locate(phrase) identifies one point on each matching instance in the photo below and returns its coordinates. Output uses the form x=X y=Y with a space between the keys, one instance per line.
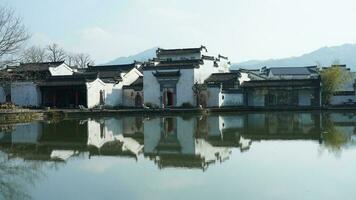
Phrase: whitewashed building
x=223 y=89
x=169 y=78
x=24 y=91
x=54 y=84
x=115 y=77
x=133 y=94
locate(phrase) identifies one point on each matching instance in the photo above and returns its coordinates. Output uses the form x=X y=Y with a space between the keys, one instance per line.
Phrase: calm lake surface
x=276 y=155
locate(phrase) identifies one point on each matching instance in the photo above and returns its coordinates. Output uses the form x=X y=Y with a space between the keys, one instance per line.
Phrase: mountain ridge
x=324 y=56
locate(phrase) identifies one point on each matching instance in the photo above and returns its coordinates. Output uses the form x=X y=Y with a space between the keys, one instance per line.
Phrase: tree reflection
x=334 y=139
x=15 y=176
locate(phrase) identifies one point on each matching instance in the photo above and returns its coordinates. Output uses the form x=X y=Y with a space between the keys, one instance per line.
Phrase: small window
x=222 y=97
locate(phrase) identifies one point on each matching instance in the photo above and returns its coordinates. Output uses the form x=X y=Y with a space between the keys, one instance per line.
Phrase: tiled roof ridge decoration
x=43 y=63
x=181 y=50
x=224 y=57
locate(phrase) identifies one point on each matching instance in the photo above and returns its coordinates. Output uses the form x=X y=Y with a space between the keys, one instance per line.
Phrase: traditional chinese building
x=169 y=78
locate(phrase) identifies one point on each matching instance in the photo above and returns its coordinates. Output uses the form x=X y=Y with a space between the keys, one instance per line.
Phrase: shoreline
x=172 y=110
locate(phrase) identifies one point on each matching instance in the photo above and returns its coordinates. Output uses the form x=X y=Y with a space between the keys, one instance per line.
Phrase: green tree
x=332 y=78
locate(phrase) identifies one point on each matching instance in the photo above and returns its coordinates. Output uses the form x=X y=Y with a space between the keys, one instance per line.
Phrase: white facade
x=129 y=97
x=114 y=93
x=183 y=90
x=25 y=94
x=230 y=99
x=93 y=92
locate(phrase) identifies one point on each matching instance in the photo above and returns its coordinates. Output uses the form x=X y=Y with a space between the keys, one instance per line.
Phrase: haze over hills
x=343 y=54
x=142 y=56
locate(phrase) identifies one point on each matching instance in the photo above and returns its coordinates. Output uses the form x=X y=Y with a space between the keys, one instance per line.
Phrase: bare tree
x=82 y=60
x=34 y=54
x=55 y=53
x=13 y=33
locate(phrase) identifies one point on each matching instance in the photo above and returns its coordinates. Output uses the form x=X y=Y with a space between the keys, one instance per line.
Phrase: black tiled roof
x=110 y=73
x=223 y=77
x=121 y=68
x=282 y=83
x=42 y=66
x=175 y=64
x=293 y=70
x=161 y=52
x=76 y=79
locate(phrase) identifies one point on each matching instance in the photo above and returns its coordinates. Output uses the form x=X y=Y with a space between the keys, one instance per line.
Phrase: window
x=222 y=97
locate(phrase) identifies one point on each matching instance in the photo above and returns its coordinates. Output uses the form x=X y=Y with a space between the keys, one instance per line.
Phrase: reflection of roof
x=281 y=136
x=178 y=160
x=112 y=148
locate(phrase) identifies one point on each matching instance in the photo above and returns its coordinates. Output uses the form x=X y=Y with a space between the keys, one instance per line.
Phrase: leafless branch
x=13 y=33
x=55 y=53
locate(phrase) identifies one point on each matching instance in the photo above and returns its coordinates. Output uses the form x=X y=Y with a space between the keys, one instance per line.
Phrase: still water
x=285 y=155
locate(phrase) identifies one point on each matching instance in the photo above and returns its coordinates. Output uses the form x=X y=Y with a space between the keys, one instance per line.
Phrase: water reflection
x=194 y=142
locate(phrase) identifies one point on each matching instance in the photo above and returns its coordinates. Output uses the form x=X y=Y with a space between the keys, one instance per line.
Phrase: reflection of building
x=172 y=142
x=185 y=141
x=282 y=126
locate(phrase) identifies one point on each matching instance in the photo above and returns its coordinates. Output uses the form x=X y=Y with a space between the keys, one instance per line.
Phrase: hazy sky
x=240 y=29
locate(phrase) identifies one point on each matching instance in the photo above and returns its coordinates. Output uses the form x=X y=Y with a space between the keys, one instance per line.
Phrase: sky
x=239 y=29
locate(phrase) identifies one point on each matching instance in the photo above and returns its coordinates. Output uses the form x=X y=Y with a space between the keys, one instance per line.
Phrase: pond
x=262 y=155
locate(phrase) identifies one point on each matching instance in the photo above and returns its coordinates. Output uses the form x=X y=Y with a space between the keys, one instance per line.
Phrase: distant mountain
x=142 y=56
x=343 y=54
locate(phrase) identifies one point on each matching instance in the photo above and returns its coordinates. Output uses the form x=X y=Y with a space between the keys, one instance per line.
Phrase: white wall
x=185 y=85
x=2 y=95
x=151 y=88
x=213 y=96
x=129 y=96
x=131 y=76
x=339 y=100
x=244 y=77
x=93 y=92
x=113 y=94
x=61 y=70
x=205 y=70
x=25 y=94
x=231 y=99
